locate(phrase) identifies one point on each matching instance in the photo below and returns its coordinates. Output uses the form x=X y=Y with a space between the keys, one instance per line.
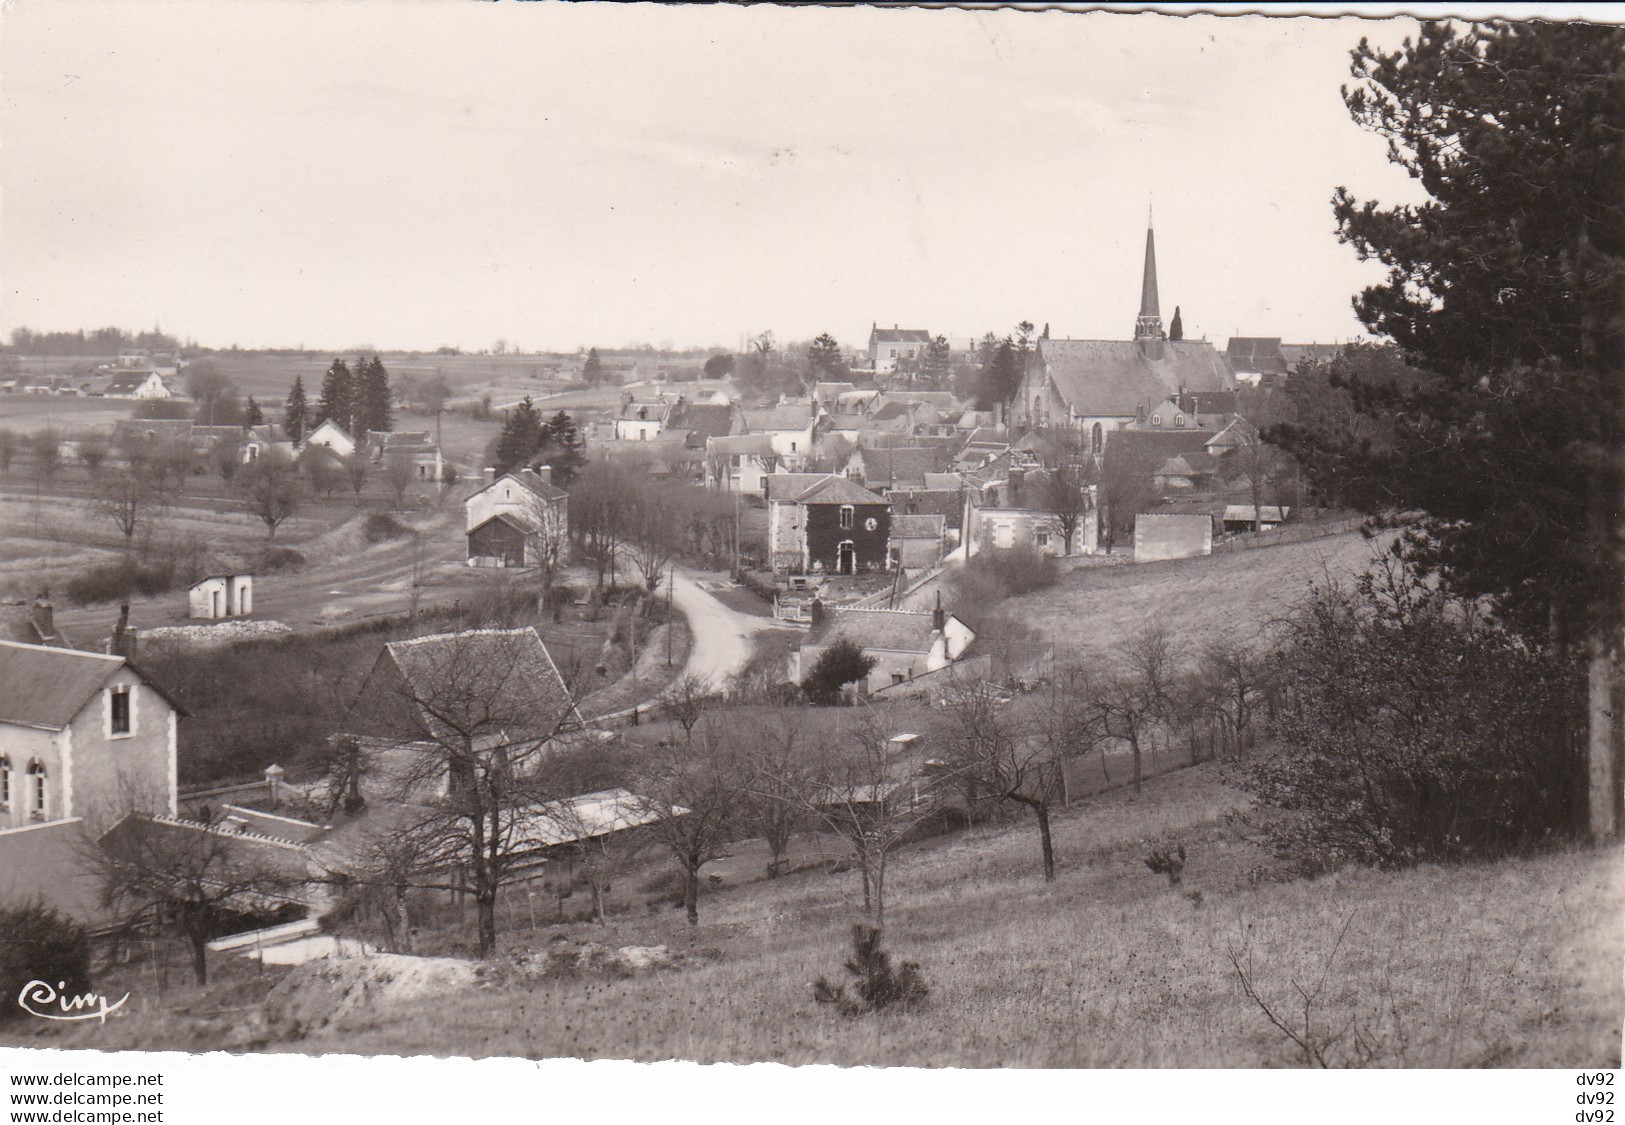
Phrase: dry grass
x=1509 y=964
x=1228 y=596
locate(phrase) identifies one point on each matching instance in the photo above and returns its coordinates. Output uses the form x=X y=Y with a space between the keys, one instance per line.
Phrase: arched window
x=1096 y=439
x=1179 y=421
x=36 y=789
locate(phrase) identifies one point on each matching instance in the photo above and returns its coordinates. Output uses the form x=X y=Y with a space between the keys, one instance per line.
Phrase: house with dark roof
x=884 y=469
x=642 y=419
x=702 y=421
x=789 y=426
x=827 y=525
x=918 y=540
x=889 y=347
x=32 y=623
x=136 y=384
x=84 y=739
x=904 y=643
x=1184 y=472
x=739 y=462
x=518 y=519
x=1256 y=359
x=1021 y=507
x=415 y=446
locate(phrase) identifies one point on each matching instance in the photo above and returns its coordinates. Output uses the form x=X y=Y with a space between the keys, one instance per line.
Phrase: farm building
x=904 y=643
x=221 y=595
x=332 y=436
x=1164 y=536
x=136 y=384
x=1244 y=517
x=518 y=519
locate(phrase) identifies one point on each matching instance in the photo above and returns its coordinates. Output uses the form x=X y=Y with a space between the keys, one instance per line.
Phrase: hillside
x=1231 y=596
x=1507 y=964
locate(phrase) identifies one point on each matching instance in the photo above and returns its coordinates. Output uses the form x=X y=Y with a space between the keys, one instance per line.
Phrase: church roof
x=1117 y=378
x=1256 y=353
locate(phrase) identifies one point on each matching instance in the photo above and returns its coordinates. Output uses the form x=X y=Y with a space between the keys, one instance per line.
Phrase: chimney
x=490 y=473
x=545 y=472
x=44 y=625
x=123 y=640
x=939 y=619
x=1017 y=476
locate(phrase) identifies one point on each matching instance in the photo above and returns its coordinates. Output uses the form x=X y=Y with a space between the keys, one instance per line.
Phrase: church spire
x=1148 y=325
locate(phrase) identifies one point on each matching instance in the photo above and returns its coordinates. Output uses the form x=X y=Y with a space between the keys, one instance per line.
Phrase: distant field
x=1230 y=596
x=68 y=413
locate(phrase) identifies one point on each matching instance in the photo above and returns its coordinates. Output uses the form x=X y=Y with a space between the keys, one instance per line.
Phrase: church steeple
x=1148 y=325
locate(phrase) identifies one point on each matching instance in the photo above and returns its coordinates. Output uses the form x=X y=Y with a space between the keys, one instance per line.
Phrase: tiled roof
x=838 y=490
x=788 y=486
x=657 y=410
x=826 y=392
x=1187 y=464
x=900 y=336
x=703 y=420
x=1116 y=378
x=785 y=417
x=530 y=481
x=1141 y=451
x=950 y=505
x=1271 y=513
x=161 y=429
x=941 y=400
x=1256 y=353
x=897 y=630
x=1238 y=432
x=757 y=444
x=1313 y=353
x=45 y=687
x=889 y=468
x=494 y=681
x=917 y=527
x=47 y=862
x=943 y=482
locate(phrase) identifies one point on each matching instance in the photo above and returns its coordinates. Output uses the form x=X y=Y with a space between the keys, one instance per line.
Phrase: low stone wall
x=1288 y=533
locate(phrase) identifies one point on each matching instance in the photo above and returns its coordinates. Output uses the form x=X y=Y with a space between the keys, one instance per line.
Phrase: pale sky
x=412 y=174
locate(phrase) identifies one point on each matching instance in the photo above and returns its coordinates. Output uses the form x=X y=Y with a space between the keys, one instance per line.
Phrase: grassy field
x=1230 y=597
x=1499 y=964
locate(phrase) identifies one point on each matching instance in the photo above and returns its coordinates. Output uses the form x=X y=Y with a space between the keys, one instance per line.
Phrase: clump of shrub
x=875 y=984
x=1413 y=728
x=840 y=664
x=40 y=944
x=382 y=527
x=116 y=581
x=274 y=560
x=995 y=575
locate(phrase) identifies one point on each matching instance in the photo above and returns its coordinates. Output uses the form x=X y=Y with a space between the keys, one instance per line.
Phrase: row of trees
x=528 y=439
x=357 y=399
x=108 y=341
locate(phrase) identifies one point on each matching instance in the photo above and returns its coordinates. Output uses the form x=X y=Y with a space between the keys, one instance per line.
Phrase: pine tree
x=562 y=448
x=824 y=357
x=521 y=437
x=593 y=370
x=296 y=412
x=338 y=395
x=938 y=362
x=372 y=408
x=252 y=414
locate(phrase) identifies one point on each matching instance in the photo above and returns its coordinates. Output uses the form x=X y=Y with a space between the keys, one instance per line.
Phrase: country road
x=722 y=636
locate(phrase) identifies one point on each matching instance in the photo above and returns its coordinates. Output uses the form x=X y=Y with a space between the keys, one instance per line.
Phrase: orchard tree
x=272 y=489
x=1508 y=283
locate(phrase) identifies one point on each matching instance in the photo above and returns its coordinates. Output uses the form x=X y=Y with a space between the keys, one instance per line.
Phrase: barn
x=222 y=595
x=502 y=537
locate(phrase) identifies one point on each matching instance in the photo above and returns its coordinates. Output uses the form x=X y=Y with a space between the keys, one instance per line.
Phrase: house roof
x=1238 y=432
x=941 y=400
x=646 y=410
x=328 y=424
x=703 y=420
x=1187 y=464
x=740 y=443
x=1313 y=353
x=1206 y=402
x=18 y=623
x=218 y=577
x=900 y=336
x=585 y=817
x=45 y=687
x=1141 y=451
x=917 y=526
x=161 y=429
x=895 y=630
x=47 y=862
x=949 y=504
x=504 y=679
x=892 y=467
x=1117 y=378
x=1256 y=353
x=838 y=490
x=944 y=482
x=785 y=416
x=824 y=392
x=530 y=481
x=128 y=382
x=788 y=486
x=507 y=519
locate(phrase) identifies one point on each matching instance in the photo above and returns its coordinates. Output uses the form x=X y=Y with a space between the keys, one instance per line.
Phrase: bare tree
x=197 y=874
x=547 y=541
x=93 y=450
x=400 y=470
x=693 y=796
x=686 y=700
x=1135 y=693
x=272 y=489
x=1006 y=760
x=228 y=458
x=45 y=447
x=130 y=499
x=1066 y=496
x=356 y=469
x=780 y=756
x=321 y=468
x=653 y=532
x=476 y=716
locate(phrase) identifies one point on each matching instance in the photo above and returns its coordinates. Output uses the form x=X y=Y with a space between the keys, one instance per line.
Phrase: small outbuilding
x=222 y=595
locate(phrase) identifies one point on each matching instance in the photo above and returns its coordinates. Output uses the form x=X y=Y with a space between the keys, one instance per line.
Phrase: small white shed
x=222 y=595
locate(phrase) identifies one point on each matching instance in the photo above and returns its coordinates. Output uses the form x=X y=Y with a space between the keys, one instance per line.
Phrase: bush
x=116 y=581
x=1416 y=729
x=40 y=945
x=995 y=575
x=382 y=527
x=841 y=663
x=274 y=560
x=877 y=984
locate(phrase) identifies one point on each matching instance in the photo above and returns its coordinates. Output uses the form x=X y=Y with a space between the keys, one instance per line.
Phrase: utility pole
x=671 y=623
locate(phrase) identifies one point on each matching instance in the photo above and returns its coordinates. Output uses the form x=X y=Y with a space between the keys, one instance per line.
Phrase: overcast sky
x=407 y=175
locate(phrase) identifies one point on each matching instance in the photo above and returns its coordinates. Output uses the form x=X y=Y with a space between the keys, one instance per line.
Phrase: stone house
x=904 y=643
x=518 y=519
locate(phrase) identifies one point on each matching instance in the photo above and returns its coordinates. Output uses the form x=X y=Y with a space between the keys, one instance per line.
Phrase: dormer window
x=846 y=517
x=1179 y=421
x=1156 y=419
x=119 y=715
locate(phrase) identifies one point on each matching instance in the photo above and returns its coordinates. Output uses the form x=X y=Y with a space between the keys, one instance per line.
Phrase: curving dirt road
x=722 y=636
